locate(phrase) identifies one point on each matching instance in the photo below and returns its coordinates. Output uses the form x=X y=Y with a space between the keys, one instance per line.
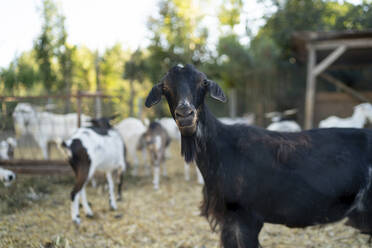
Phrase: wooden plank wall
x=335 y=103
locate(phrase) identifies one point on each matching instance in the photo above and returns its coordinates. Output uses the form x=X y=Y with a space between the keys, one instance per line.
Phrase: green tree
x=134 y=70
x=8 y=78
x=233 y=58
x=83 y=73
x=64 y=53
x=45 y=44
x=178 y=36
x=230 y=12
x=22 y=73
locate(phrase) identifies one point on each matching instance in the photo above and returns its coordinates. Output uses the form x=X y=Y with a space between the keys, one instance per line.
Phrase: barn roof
x=358 y=43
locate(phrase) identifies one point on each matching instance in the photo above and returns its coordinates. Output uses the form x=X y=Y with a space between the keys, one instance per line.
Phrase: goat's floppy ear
x=215 y=91
x=155 y=95
x=94 y=122
x=112 y=117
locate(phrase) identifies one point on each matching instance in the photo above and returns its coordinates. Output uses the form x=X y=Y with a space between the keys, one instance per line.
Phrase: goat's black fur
x=253 y=175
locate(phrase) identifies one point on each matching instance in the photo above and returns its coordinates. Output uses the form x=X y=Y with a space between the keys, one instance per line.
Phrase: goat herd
x=251 y=175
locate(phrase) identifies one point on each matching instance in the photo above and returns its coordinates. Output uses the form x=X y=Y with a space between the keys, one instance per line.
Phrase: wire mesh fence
x=39 y=124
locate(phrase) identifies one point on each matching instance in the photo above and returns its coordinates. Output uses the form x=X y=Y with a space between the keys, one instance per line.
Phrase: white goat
x=361 y=113
x=248 y=120
x=131 y=129
x=280 y=125
x=44 y=126
x=7 y=176
x=101 y=148
x=7 y=148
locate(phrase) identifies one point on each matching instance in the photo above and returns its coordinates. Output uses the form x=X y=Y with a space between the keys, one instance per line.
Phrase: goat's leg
x=44 y=148
x=240 y=233
x=88 y=211
x=146 y=164
x=120 y=185
x=111 y=190
x=81 y=172
x=199 y=176
x=135 y=163
x=164 y=169
x=75 y=209
x=93 y=182
x=156 y=176
x=187 y=171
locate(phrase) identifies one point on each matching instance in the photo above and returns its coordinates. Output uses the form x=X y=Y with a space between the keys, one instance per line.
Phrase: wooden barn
x=339 y=72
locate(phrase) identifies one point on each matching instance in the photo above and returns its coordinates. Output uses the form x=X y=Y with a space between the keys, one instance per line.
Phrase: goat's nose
x=184 y=112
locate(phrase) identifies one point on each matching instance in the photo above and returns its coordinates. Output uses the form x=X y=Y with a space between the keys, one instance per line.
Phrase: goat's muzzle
x=185 y=116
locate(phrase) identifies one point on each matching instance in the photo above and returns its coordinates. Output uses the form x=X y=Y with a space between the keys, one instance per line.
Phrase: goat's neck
x=358 y=117
x=194 y=147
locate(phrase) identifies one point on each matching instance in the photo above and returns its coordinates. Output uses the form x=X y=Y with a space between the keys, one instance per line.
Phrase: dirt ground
x=35 y=212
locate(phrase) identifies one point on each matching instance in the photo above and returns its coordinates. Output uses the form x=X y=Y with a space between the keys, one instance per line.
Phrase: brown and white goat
x=155 y=140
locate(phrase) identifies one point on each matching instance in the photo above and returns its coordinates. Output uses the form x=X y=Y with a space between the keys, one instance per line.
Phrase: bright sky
x=95 y=23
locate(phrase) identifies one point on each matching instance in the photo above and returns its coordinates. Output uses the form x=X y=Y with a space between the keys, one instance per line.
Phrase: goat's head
x=365 y=109
x=103 y=122
x=4 y=148
x=185 y=89
x=24 y=114
x=7 y=176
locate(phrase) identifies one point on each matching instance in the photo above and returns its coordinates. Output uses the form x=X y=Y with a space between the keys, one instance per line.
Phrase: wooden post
x=232 y=102
x=78 y=108
x=310 y=88
x=140 y=108
x=98 y=109
x=329 y=60
x=3 y=115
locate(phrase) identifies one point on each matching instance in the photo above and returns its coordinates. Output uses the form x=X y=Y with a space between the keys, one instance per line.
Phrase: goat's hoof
x=120 y=199
x=118 y=216
x=90 y=216
x=77 y=221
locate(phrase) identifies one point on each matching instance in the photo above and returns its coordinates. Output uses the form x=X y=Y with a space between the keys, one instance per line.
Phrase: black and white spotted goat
x=7 y=177
x=155 y=140
x=253 y=176
x=99 y=147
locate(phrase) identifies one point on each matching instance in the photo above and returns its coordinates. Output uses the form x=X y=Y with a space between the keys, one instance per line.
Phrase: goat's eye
x=205 y=82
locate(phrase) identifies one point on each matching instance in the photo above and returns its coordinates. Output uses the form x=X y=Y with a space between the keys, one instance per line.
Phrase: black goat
x=253 y=175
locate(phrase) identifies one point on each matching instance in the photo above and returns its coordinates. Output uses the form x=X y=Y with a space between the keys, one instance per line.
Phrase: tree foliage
x=177 y=36
x=264 y=71
x=45 y=44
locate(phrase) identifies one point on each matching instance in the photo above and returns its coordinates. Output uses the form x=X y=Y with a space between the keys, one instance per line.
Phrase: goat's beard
x=188 y=130
x=188 y=148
